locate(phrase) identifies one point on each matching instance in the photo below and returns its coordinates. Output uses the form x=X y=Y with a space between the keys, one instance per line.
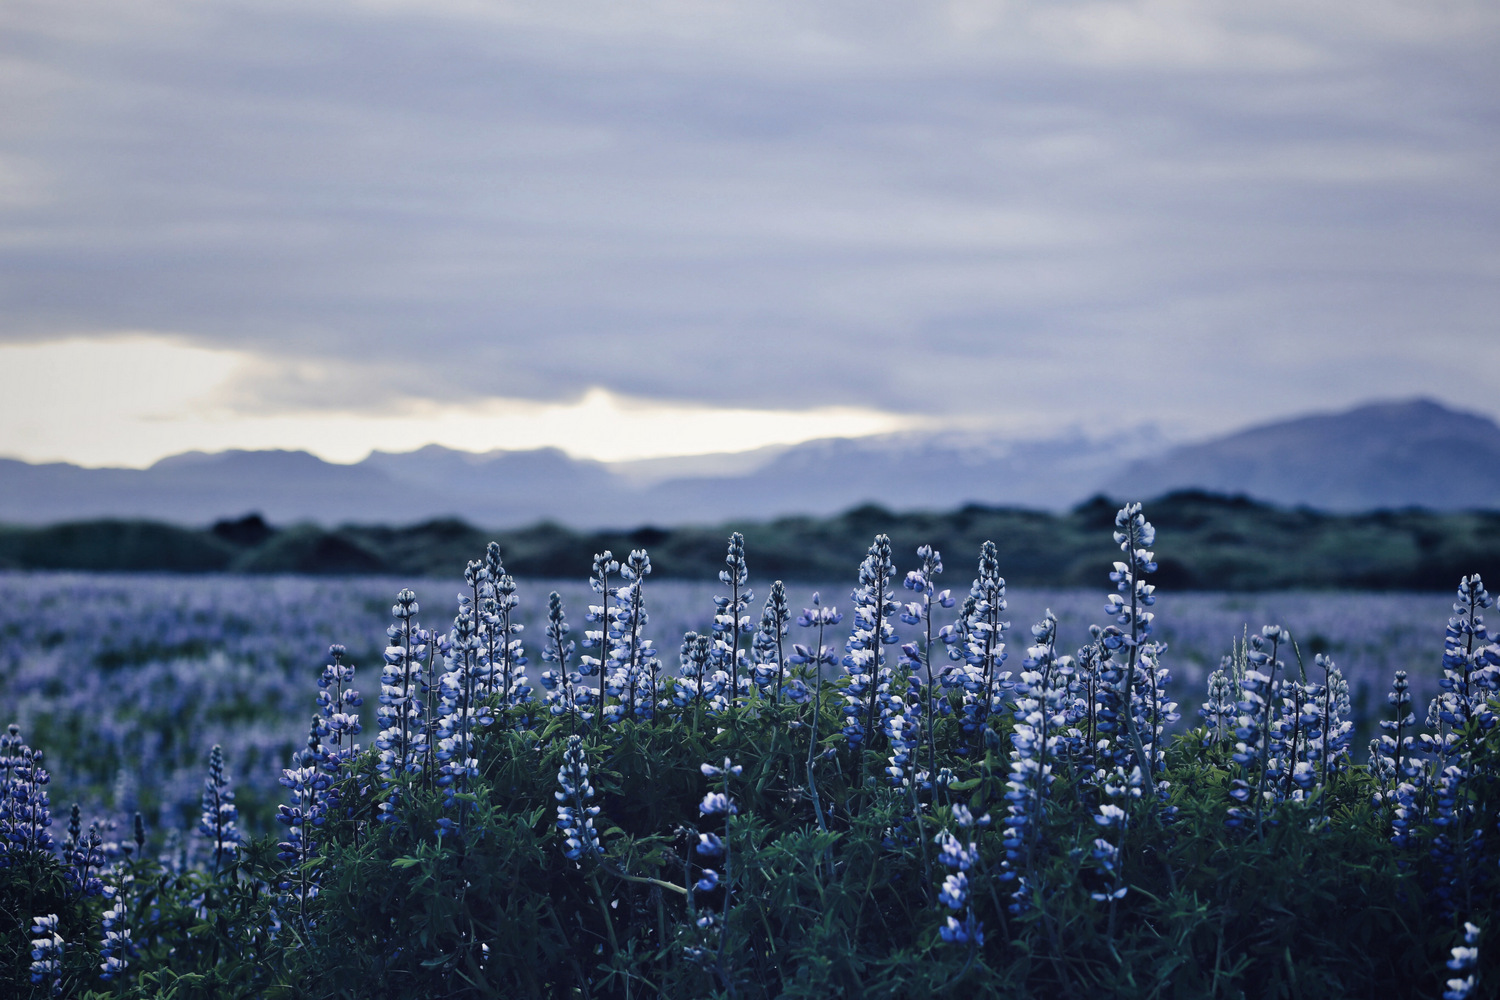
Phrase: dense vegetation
x=1219 y=543
x=916 y=814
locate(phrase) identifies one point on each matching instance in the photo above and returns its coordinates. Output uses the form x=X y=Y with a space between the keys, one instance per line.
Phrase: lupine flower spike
x=218 y=823
x=46 y=954
x=575 y=817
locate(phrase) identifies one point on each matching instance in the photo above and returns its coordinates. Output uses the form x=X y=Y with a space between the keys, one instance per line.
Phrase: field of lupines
x=893 y=794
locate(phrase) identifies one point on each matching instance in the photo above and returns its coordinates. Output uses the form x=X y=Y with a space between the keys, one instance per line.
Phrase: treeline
x=1218 y=543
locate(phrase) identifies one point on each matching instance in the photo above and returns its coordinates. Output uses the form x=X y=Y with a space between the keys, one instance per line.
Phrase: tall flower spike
x=218 y=821
x=115 y=948
x=575 y=817
x=1465 y=959
x=338 y=704
x=959 y=858
x=978 y=642
x=730 y=618
x=1134 y=535
x=631 y=672
x=46 y=954
x=1397 y=748
x=1471 y=665
x=506 y=656
x=867 y=669
x=923 y=583
x=770 y=643
x=563 y=683
x=401 y=737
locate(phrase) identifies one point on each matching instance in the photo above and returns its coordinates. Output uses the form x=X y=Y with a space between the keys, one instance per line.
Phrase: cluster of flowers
x=1425 y=777
x=1100 y=716
x=91 y=865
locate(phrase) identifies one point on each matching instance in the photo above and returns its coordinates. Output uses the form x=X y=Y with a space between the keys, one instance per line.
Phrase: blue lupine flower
x=709 y=882
x=1471 y=665
x=400 y=717
x=46 y=953
x=85 y=858
x=977 y=642
x=1392 y=757
x=605 y=566
x=918 y=660
x=954 y=854
x=769 y=647
x=1219 y=710
x=955 y=891
x=960 y=858
x=1465 y=959
x=25 y=809
x=970 y=931
x=115 y=949
x=812 y=660
x=1127 y=637
x=1328 y=736
x=730 y=620
x=1040 y=711
x=575 y=818
x=217 y=824
x=714 y=804
x=505 y=654
x=710 y=845
x=339 y=704
x=1261 y=748
x=866 y=669
x=564 y=684
x=697 y=684
x=630 y=673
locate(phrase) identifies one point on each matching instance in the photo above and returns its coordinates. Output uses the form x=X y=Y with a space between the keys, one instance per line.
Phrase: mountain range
x=1415 y=453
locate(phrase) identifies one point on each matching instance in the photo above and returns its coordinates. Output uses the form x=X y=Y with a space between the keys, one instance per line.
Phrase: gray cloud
x=1199 y=214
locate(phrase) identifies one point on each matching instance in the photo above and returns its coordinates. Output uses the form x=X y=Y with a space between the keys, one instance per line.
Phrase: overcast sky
x=646 y=227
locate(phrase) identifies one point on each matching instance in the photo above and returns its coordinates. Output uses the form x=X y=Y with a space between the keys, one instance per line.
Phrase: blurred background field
x=126 y=680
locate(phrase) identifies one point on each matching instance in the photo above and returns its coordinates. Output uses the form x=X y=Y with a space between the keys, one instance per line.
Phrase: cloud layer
x=1064 y=212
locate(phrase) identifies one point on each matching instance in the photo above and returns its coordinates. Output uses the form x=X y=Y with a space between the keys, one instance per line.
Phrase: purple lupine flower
x=575 y=818
x=564 y=684
x=217 y=823
x=1219 y=709
x=696 y=685
x=769 y=646
x=631 y=671
x=866 y=669
x=25 y=808
x=955 y=891
x=508 y=657
x=1465 y=959
x=730 y=620
x=605 y=566
x=1129 y=634
x=977 y=641
x=715 y=804
x=46 y=954
x=339 y=704
x=710 y=845
x=918 y=660
x=85 y=858
x=970 y=931
x=115 y=948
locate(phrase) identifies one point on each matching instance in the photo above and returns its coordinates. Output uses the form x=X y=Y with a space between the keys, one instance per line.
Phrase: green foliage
x=1323 y=906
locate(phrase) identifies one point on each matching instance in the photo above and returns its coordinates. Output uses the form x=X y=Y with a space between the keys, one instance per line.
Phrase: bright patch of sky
x=129 y=401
